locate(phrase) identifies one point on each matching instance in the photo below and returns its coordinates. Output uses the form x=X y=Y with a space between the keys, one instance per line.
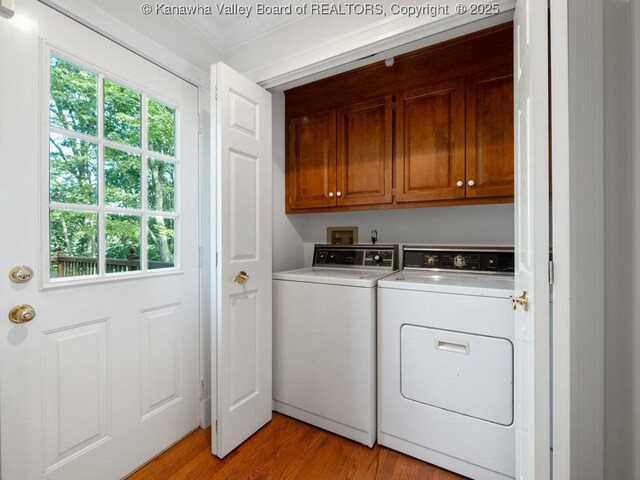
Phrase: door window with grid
x=113 y=173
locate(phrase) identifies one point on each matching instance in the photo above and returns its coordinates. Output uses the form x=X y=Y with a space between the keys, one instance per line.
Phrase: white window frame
x=46 y=282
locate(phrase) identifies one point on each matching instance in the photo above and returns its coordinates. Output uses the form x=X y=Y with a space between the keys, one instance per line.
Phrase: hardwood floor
x=287 y=449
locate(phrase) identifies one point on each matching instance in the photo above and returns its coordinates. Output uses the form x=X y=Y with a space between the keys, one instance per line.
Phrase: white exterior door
x=532 y=241
x=99 y=196
x=242 y=335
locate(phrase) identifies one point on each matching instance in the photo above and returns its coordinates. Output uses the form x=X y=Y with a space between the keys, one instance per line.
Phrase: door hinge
x=393 y=106
x=200 y=257
x=216 y=258
x=216 y=426
x=393 y=192
x=201 y=392
x=215 y=92
x=551 y=272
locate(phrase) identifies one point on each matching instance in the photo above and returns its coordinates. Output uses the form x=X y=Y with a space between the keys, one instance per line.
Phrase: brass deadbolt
x=20 y=274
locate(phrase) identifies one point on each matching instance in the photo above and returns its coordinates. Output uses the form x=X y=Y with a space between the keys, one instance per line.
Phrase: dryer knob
x=459 y=261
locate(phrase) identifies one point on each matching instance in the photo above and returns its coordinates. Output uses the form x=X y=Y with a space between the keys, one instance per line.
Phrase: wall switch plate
x=7 y=8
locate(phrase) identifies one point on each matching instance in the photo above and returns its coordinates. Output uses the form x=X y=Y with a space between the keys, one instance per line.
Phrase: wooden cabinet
x=430 y=143
x=341 y=157
x=435 y=129
x=490 y=135
x=365 y=153
x=311 y=167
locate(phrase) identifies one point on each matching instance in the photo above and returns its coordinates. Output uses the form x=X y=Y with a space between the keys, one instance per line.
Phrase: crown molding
x=212 y=34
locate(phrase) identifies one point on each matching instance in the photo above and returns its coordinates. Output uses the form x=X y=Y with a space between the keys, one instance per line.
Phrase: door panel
x=531 y=382
x=79 y=395
x=365 y=153
x=242 y=359
x=490 y=134
x=77 y=389
x=311 y=176
x=160 y=358
x=242 y=337
x=243 y=191
x=430 y=143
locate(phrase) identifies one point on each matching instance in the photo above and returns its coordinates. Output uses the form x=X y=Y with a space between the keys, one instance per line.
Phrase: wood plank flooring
x=287 y=449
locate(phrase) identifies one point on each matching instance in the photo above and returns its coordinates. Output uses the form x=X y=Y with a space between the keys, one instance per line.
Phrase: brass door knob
x=522 y=300
x=241 y=277
x=22 y=314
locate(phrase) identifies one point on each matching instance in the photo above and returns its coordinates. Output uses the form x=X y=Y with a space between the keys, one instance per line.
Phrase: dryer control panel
x=478 y=259
x=359 y=256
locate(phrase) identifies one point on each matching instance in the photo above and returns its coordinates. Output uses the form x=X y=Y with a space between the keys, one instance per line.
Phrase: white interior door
x=99 y=196
x=242 y=337
x=532 y=240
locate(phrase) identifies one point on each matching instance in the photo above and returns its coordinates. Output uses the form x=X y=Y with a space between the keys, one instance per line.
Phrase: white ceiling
x=271 y=49
x=201 y=39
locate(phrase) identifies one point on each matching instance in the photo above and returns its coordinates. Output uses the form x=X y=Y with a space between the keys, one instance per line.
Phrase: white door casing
x=532 y=348
x=106 y=375
x=242 y=335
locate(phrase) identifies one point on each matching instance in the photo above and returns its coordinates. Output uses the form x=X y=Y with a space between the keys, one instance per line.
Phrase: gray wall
x=288 y=246
x=618 y=231
x=635 y=254
x=483 y=224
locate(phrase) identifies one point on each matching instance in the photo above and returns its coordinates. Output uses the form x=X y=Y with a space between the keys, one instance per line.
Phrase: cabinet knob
x=338 y=194
x=330 y=194
x=459 y=183
x=471 y=183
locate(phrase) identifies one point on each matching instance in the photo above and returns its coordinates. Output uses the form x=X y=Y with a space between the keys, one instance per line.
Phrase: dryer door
x=462 y=373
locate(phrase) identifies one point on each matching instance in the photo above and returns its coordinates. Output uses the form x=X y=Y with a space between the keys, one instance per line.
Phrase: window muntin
x=112 y=172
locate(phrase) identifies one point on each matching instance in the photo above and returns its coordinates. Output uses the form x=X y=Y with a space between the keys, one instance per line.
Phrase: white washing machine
x=324 y=339
x=445 y=359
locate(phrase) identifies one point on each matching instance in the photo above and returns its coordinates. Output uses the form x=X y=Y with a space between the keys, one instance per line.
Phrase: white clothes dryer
x=445 y=359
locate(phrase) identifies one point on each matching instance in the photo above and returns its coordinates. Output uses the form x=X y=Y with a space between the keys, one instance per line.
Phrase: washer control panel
x=375 y=256
x=470 y=259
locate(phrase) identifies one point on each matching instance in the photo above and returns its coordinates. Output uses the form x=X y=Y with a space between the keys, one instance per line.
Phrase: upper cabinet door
x=430 y=143
x=365 y=136
x=490 y=134
x=311 y=172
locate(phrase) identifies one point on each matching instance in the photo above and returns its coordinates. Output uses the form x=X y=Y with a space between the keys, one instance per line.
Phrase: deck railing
x=64 y=266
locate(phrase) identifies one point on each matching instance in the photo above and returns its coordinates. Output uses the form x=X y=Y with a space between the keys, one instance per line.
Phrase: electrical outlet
x=7 y=8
